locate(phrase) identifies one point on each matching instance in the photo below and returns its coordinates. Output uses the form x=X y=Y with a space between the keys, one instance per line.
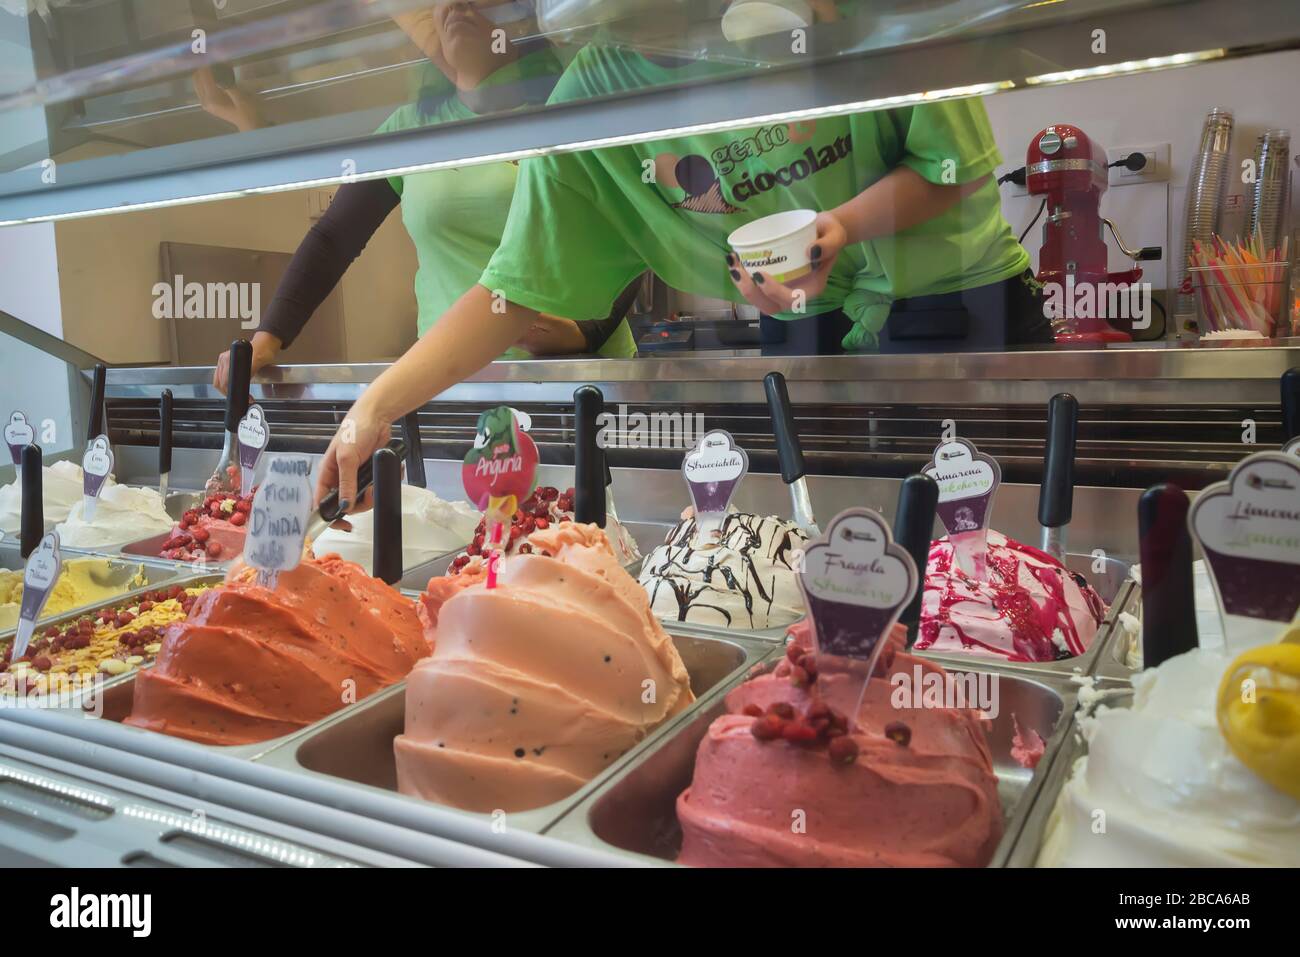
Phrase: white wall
x=1147 y=109
x=29 y=289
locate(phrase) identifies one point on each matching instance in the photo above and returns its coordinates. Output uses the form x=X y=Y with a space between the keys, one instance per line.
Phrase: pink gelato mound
x=929 y=802
x=1031 y=608
x=539 y=684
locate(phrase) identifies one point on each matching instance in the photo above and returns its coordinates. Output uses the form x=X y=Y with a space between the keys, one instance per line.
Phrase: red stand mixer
x=1069 y=170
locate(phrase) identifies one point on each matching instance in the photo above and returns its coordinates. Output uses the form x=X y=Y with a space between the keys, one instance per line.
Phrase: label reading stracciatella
x=713 y=471
x=278 y=520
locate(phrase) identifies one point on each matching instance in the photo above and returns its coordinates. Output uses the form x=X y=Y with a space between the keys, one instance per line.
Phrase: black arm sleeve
x=598 y=331
x=325 y=253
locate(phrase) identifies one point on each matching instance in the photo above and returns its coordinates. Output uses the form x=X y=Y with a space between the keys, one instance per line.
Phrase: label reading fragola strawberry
x=503 y=460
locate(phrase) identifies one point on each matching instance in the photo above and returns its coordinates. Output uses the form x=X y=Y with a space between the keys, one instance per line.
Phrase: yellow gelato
x=84 y=581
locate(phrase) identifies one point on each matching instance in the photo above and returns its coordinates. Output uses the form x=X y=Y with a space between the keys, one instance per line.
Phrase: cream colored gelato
x=431 y=526
x=61 y=490
x=1160 y=787
x=124 y=514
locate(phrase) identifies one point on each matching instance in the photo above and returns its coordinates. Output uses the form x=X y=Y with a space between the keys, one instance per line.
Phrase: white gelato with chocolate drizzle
x=740 y=577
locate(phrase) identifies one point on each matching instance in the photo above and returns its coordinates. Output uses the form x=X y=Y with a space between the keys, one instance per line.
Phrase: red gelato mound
x=914 y=788
x=251 y=664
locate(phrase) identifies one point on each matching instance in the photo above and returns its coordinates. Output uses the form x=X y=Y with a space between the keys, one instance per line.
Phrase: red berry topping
x=843 y=750
x=41 y=662
x=797 y=732
x=782 y=709
x=214 y=550
x=238 y=518
x=767 y=728
x=201 y=534
x=753 y=710
x=146 y=606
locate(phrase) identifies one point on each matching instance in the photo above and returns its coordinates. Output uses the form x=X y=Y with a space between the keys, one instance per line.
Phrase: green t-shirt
x=584 y=224
x=455 y=217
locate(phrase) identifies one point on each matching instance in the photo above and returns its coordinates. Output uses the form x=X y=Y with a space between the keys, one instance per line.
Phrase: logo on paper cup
x=1249 y=529
x=857 y=583
x=18 y=435
x=713 y=470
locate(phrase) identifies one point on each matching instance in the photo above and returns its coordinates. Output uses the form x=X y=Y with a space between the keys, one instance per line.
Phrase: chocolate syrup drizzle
x=742 y=537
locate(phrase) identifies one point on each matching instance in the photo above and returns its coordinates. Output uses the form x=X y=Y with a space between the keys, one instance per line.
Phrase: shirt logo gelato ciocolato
x=701 y=178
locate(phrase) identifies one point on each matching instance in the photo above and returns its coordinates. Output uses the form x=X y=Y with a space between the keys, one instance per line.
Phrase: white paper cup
x=746 y=19
x=777 y=245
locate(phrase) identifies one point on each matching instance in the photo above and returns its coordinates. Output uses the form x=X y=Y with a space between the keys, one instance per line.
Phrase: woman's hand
x=773 y=297
x=363 y=432
x=266 y=349
x=241 y=110
x=553 y=336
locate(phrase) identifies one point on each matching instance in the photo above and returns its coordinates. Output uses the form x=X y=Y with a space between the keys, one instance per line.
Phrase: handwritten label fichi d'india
x=278 y=521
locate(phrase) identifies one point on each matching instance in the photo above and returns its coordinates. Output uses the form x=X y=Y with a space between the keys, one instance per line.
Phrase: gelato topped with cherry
x=213 y=532
x=544 y=507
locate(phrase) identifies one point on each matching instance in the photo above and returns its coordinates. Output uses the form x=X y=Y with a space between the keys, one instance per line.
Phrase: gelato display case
x=180 y=707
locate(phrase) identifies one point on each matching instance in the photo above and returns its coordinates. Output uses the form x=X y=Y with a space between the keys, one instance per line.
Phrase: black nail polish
x=731 y=260
x=735 y=275
x=816 y=252
x=758 y=278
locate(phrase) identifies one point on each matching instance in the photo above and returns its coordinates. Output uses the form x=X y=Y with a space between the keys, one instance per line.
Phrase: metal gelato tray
x=1111 y=660
x=1113 y=585
x=89 y=699
x=1073 y=747
x=355 y=747
x=117 y=571
x=633 y=813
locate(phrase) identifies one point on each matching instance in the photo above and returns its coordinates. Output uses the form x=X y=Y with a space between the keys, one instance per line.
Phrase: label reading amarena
x=857 y=583
x=967 y=479
x=278 y=521
x=1249 y=529
x=18 y=435
x=96 y=466
x=252 y=438
x=43 y=567
x=713 y=471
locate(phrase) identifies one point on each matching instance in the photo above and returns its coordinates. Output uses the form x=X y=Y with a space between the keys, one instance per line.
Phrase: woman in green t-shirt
x=454 y=217
x=910 y=215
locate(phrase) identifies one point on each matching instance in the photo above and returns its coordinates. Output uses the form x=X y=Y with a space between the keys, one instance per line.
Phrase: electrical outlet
x=318 y=200
x=1156 y=170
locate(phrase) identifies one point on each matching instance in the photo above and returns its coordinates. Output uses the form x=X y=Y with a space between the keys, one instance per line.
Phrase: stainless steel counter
x=1130 y=373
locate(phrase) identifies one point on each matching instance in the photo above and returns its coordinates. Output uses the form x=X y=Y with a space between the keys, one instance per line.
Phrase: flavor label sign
x=96 y=466
x=502 y=461
x=856 y=584
x=713 y=471
x=1249 y=529
x=43 y=567
x=18 y=435
x=277 y=523
x=251 y=440
x=967 y=479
